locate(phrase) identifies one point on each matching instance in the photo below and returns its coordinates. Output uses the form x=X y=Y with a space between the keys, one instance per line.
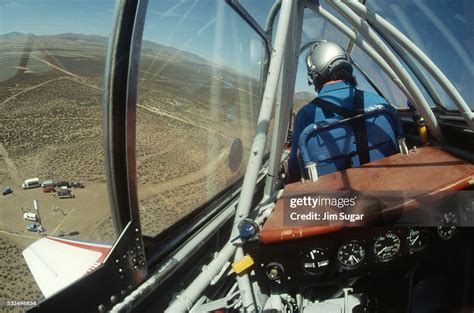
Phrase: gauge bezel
x=446 y=226
x=392 y=257
x=358 y=264
x=309 y=272
x=421 y=230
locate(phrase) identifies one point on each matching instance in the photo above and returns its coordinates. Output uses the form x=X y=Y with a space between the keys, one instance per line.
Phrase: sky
x=49 y=17
x=212 y=30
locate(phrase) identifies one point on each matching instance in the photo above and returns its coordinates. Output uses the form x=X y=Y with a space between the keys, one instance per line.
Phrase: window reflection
x=52 y=56
x=443 y=30
x=198 y=99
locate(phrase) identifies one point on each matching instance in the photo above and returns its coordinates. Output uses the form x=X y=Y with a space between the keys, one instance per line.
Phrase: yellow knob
x=242 y=264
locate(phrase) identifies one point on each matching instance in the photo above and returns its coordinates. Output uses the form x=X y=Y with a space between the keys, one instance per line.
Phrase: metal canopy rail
x=420 y=56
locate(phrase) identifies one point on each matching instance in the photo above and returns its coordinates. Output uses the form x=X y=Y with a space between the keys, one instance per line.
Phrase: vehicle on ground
x=31 y=183
x=77 y=184
x=64 y=192
x=49 y=189
x=30 y=217
x=48 y=182
x=63 y=183
x=7 y=190
x=34 y=228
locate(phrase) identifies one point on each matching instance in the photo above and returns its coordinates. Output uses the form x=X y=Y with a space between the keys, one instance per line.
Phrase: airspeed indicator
x=387 y=247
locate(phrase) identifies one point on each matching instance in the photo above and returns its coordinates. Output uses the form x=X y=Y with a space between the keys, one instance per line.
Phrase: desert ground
x=51 y=127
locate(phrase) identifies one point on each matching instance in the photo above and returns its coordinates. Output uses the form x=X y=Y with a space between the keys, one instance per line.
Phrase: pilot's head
x=327 y=61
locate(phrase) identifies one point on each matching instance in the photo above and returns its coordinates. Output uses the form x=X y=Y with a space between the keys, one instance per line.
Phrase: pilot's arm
x=303 y=119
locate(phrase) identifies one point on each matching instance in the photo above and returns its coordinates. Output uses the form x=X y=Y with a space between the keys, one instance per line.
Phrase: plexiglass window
x=198 y=100
x=441 y=29
x=55 y=223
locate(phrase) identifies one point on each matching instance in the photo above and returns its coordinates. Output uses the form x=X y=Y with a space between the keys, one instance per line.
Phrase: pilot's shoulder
x=372 y=98
x=307 y=111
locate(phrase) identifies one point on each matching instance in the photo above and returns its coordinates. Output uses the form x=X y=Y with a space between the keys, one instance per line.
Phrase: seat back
x=332 y=145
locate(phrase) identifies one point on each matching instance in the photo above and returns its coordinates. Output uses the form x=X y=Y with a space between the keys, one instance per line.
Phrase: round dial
x=417 y=238
x=315 y=261
x=386 y=247
x=446 y=232
x=351 y=254
x=448 y=225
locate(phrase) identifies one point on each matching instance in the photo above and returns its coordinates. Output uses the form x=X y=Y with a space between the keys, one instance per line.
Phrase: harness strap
x=357 y=124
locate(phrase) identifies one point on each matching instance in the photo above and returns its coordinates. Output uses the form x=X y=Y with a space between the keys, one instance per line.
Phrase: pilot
x=330 y=71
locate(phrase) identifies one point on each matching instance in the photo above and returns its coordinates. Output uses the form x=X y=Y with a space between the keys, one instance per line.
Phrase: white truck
x=31 y=183
x=30 y=217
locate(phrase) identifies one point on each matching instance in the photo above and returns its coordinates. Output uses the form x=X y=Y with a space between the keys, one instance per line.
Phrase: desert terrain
x=195 y=122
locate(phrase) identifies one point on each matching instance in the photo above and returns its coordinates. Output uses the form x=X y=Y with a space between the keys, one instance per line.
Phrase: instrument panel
x=354 y=252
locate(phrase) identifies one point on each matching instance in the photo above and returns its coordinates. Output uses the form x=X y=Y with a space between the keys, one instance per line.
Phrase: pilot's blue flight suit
x=338 y=93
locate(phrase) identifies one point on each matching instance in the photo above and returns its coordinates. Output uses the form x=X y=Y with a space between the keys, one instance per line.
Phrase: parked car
x=77 y=184
x=31 y=183
x=47 y=183
x=34 y=228
x=49 y=188
x=64 y=193
x=60 y=184
x=30 y=217
x=7 y=190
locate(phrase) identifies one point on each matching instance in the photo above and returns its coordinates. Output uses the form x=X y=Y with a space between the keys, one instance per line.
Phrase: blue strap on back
x=335 y=145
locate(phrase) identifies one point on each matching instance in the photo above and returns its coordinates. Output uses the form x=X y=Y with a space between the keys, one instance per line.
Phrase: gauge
x=386 y=247
x=448 y=225
x=446 y=232
x=315 y=261
x=417 y=238
x=448 y=219
x=351 y=254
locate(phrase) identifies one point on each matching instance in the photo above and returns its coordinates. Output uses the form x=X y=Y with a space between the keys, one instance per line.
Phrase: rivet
x=114 y=299
x=101 y=308
x=123 y=292
x=137 y=230
x=124 y=256
x=130 y=287
x=120 y=270
x=143 y=263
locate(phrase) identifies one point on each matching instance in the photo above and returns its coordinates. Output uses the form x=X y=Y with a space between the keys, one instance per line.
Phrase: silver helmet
x=322 y=59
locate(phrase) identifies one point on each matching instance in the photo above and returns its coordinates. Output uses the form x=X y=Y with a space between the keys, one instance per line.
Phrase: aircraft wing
x=57 y=262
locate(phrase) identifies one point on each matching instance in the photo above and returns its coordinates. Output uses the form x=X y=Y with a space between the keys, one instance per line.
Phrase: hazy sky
x=214 y=31
x=48 y=17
